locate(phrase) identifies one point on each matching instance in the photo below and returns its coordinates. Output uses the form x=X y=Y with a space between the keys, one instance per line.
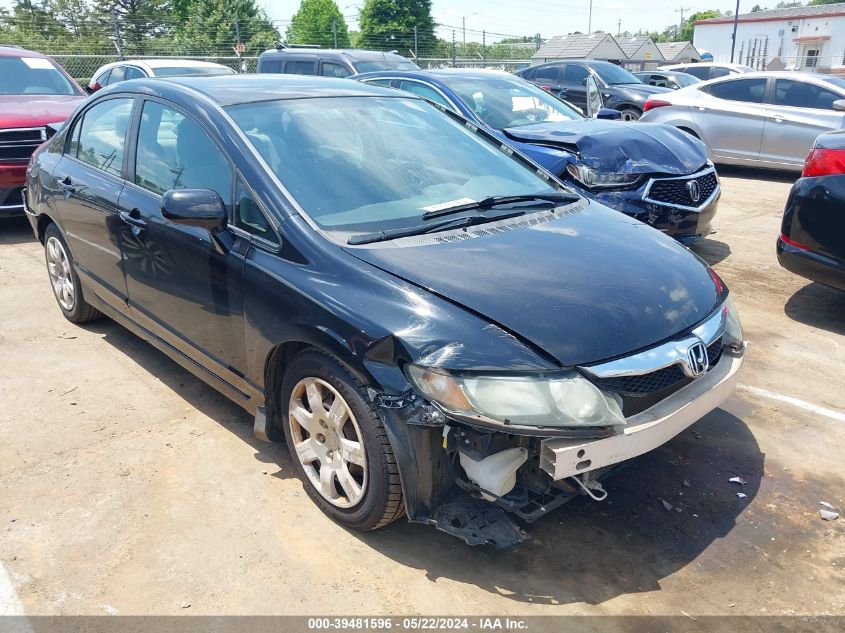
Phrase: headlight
x=569 y=400
x=593 y=178
x=733 y=327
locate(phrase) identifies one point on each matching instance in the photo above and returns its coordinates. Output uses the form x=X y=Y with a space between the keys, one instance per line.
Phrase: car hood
x=614 y=146
x=591 y=285
x=36 y=110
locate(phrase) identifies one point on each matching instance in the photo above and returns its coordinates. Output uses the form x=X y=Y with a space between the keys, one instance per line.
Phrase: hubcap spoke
x=305 y=451
x=351 y=452
x=348 y=483
x=327 y=482
x=315 y=401
x=338 y=414
x=304 y=418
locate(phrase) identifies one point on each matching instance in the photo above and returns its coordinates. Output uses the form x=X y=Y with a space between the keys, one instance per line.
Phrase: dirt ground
x=128 y=486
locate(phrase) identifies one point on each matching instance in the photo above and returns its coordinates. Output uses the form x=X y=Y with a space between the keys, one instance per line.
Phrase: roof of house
x=574 y=46
x=631 y=45
x=670 y=50
x=793 y=13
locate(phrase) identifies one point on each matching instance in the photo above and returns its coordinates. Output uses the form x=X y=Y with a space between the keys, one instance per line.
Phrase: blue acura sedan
x=655 y=173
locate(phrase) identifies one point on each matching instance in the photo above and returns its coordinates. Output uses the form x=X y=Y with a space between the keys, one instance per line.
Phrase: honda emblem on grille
x=694 y=190
x=697 y=361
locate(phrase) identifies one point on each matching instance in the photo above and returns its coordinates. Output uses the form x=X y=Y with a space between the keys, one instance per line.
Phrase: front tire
x=64 y=280
x=338 y=443
x=630 y=114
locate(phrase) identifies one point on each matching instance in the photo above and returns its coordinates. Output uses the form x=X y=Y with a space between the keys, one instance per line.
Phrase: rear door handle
x=133 y=219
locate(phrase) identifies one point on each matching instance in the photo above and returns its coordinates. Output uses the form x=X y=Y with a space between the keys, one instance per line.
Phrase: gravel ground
x=128 y=486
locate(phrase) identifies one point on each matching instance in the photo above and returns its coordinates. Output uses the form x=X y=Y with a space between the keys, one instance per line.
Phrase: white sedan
x=140 y=68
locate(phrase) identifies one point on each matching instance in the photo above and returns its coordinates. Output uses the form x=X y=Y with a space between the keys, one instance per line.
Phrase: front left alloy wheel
x=338 y=443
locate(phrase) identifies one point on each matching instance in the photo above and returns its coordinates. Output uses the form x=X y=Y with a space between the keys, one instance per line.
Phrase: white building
x=801 y=38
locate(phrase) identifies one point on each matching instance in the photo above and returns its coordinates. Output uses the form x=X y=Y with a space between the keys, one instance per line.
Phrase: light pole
x=733 y=37
x=464 y=26
x=590 y=19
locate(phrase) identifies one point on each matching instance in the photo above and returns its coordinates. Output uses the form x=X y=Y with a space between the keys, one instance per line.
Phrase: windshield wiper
x=552 y=200
x=421 y=229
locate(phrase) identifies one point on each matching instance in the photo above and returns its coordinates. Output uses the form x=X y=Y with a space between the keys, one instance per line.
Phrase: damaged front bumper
x=432 y=453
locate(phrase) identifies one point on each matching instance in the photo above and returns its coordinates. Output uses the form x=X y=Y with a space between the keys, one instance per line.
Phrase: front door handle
x=67 y=185
x=133 y=219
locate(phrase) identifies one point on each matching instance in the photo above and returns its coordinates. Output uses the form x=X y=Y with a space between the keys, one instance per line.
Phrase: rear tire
x=631 y=114
x=64 y=280
x=338 y=443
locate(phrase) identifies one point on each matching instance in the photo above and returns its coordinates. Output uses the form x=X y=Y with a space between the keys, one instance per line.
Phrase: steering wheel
x=535 y=115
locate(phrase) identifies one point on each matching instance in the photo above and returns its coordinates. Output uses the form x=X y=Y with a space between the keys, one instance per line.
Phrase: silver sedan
x=763 y=119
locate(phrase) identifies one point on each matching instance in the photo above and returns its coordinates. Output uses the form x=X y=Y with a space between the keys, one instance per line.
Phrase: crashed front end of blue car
x=654 y=173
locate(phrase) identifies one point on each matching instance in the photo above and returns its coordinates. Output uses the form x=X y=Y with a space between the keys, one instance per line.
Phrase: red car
x=34 y=92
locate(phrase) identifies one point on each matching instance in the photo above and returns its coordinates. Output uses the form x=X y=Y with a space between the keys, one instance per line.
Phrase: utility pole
x=454 y=60
x=416 y=34
x=484 y=46
x=118 y=38
x=619 y=28
x=334 y=33
x=590 y=19
x=681 y=11
x=464 y=23
x=733 y=37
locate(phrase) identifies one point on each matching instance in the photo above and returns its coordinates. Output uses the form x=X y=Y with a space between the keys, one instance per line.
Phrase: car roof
x=10 y=50
x=169 y=63
x=352 y=53
x=781 y=74
x=227 y=90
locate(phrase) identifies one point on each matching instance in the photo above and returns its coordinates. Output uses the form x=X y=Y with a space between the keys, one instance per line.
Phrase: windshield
x=502 y=102
x=365 y=164
x=614 y=75
x=192 y=71
x=33 y=76
x=384 y=64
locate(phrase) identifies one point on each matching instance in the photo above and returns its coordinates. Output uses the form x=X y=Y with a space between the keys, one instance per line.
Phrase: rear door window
x=800 y=94
x=118 y=73
x=133 y=73
x=271 y=66
x=330 y=69
x=575 y=74
x=702 y=72
x=300 y=68
x=745 y=90
x=547 y=73
x=100 y=136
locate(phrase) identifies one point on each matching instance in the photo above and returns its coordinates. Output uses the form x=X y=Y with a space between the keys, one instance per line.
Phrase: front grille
x=19 y=144
x=642 y=392
x=675 y=191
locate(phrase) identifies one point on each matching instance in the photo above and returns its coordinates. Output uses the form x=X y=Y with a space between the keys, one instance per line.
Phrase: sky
x=547 y=17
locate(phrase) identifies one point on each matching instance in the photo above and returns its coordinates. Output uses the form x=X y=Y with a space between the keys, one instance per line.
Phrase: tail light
x=651 y=104
x=791 y=242
x=824 y=162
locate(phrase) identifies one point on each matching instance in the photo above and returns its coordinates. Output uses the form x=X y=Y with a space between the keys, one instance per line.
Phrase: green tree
x=317 y=22
x=389 y=25
x=689 y=25
x=212 y=27
x=142 y=22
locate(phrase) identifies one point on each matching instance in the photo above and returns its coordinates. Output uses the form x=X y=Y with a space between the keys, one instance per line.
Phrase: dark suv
x=295 y=60
x=567 y=79
x=34 y=92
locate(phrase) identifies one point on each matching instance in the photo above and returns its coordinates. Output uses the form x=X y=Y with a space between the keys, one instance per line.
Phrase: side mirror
x=201 y=208
x=839 y=105
x=609 y=114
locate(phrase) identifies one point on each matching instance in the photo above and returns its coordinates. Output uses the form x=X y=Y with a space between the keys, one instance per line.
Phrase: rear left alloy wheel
x=338 y=443
x=63 y=279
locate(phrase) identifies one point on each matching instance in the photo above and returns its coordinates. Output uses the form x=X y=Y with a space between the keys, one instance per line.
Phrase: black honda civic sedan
x=812 y=239
x=434 y=325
